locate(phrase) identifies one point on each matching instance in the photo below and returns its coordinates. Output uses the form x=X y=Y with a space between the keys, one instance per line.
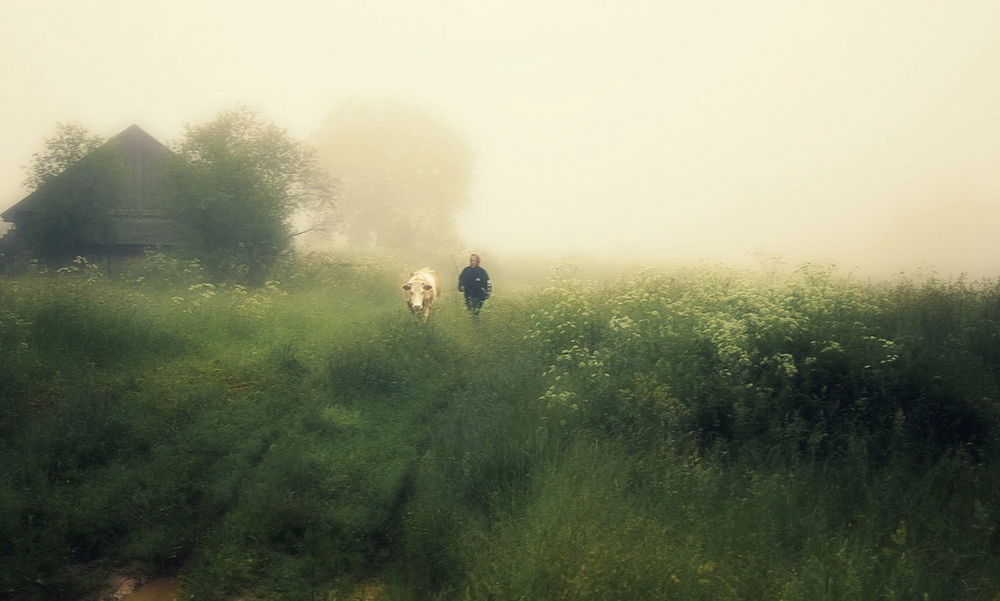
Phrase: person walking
x=476 y=284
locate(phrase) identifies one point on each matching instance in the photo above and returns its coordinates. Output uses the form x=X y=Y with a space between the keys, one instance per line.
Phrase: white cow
x=421 y=289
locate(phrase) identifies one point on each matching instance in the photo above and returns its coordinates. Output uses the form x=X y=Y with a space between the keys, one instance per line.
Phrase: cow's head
x=419 y=295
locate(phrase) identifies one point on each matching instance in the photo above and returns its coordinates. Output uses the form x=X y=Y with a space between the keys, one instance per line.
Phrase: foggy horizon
x=865 y=136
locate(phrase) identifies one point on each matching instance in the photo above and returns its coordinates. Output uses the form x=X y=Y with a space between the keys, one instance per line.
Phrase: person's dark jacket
x=475 y=282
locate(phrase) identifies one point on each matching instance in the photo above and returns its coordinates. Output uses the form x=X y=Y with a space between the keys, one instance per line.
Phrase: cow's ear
x=428 y=287
x=406 y=286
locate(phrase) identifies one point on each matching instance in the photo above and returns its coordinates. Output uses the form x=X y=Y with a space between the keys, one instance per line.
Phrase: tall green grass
x=693 y=434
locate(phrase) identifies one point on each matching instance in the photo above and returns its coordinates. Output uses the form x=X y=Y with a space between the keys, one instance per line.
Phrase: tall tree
x=243 y=179
x=402 y=173
x=73 y=185
x=70 y=143
x=70 y=214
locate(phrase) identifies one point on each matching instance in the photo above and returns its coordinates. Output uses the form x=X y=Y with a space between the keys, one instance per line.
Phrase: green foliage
x=70 y=143
x=159 y=270
x=72 y=212
x=802 y=364
x=596 y=525
x=242 y=180
x=692 y=434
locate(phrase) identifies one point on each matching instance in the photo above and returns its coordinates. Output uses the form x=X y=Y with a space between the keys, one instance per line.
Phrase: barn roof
x=138 y=209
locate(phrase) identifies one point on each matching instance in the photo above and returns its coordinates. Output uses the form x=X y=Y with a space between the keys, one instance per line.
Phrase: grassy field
x=691 y=434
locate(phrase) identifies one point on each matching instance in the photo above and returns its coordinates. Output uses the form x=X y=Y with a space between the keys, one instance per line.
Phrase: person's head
x=473 y=260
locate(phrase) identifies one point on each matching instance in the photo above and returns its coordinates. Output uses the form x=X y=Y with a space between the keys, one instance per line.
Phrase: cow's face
x=418 y=295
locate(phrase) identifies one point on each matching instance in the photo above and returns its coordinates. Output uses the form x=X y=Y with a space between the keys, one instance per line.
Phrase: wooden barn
x=112 y=202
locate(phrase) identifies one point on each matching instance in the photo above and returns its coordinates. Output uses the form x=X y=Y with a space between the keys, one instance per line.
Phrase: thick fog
x=860 y=133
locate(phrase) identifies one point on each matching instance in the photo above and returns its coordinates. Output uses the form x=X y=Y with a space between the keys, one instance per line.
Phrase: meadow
x=705 y=433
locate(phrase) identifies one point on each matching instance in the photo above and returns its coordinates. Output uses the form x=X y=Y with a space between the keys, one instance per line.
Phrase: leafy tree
x=68 y=214
x=242 y=180
x=70 y=143
x=402 y=173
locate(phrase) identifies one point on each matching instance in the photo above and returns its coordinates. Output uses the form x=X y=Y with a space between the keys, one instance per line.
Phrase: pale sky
x=865 y=133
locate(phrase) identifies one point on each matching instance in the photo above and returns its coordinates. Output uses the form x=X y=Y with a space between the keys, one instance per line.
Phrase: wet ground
x=167 y=589
x=160 y=589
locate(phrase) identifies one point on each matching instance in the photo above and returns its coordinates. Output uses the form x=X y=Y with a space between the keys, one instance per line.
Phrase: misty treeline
x=376 y=174
x=687 y=434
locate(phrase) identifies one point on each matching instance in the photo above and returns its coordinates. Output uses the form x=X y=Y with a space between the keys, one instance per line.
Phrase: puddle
x=167 y=589
x=161 y=589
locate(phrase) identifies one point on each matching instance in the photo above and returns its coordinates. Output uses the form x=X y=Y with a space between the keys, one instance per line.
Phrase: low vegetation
x=701 y=434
